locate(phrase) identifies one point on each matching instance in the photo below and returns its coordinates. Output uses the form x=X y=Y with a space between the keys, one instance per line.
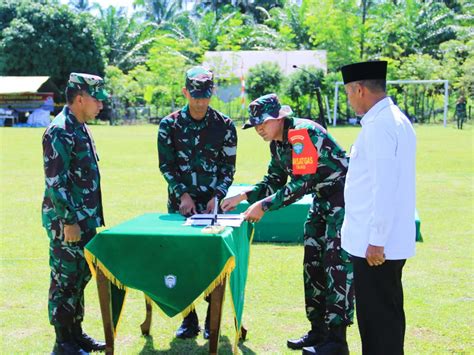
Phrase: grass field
x=438 y=282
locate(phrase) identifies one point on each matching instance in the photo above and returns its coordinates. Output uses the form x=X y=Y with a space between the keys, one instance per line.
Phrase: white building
x=228 y=63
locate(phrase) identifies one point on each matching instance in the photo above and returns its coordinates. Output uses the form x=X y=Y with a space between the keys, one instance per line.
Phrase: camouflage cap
x=264 y=108
x=93 y=84
x=199 y=82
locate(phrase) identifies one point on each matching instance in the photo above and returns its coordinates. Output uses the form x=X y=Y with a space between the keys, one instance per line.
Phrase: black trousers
x=379 y=306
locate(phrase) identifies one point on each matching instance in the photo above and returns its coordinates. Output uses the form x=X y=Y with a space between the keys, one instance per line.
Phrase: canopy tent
x=21 y=84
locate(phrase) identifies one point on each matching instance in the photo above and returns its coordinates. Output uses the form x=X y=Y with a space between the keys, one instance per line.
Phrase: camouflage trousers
x=328 y=270
x=69 y=277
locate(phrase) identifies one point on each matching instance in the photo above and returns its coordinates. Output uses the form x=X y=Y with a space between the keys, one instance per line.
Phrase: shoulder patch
x=304 y=153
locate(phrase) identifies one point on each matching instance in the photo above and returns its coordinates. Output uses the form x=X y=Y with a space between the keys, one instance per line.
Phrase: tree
x=244 y=33
x=48 y=39
x=125 y=40
x=334 y=26
x=258 y=9
x=167 y=61
x=419 y=102
x=466 y=81
x=364 y=9
x=293 y=18
x=224 y=31
x=301 y=88
x=202 y=29
x=434 y=25
x=264 y=78
x=160 y=11
x=81 y=5
x=409 y=27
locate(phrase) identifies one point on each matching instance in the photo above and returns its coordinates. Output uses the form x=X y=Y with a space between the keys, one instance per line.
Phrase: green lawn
x=438 y=282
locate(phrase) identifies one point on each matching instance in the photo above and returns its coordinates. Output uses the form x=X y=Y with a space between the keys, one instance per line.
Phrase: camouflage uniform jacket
x=197 y=157
x=328 y=179
x=72 y=194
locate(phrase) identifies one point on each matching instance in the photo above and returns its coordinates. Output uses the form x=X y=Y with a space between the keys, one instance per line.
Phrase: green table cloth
x=172 y=264
x=286 y=224
x=281 y=226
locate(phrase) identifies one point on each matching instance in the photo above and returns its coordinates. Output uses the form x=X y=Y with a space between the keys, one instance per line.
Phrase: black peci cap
x=364 y=71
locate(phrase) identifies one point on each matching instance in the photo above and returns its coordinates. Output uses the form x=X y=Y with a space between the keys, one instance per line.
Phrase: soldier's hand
x=230 y=203
x=210 y=206
x=254 y=213
x=375 y=255
x=187 y=207
x=72 y=233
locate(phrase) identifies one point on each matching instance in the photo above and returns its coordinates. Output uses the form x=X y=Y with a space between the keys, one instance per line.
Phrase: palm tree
x=160 y=11
x=80 y=5
x=433 y=26
x=409 y=27
x=126 y=39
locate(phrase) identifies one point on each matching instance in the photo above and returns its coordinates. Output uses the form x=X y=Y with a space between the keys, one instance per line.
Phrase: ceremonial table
x=285 y=225
x=174 y=265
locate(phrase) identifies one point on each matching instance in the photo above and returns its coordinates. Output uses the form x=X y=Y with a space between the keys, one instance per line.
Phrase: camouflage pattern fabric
x=69 y=277
x=329 y=294
x=461 y=109
x=328 y=271
x=330 y=175
x=460 y=113
x=72 y=195
x=265 y=108
x=199 y=82
x=93 y=84
x=197 y=157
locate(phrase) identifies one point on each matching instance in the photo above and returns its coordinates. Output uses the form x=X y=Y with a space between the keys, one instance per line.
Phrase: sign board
x=27 y=101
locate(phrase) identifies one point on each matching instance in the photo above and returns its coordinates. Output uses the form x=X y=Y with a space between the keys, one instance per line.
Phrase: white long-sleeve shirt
x=380 y=185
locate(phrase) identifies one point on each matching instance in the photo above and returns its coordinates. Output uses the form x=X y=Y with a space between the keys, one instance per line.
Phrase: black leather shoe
x=68 y=348
x=89 y=344
x=327 y=348
x=335 y=343
x=207 y=332
x=307 y=340
x=187 y=331
x=309 y=350
x=189 y=328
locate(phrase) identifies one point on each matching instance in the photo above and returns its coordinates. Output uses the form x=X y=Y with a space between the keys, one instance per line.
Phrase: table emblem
x=170 y=281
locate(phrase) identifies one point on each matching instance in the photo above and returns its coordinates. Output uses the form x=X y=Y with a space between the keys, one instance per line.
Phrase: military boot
x=335 y=344
x=316 y=335
x=207 y=333
x=190 y=326
x=65 y=344
x=85 y=341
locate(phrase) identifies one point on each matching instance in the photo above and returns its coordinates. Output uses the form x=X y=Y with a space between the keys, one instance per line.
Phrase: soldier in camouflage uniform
x=329 y=292
x=197 y=151
x=72 y=209
x=460 y=111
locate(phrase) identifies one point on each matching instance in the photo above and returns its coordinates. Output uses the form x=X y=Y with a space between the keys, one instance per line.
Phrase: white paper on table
x=227 y=220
